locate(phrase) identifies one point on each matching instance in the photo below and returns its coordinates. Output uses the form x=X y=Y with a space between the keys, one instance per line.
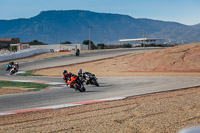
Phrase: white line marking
x=7 y=113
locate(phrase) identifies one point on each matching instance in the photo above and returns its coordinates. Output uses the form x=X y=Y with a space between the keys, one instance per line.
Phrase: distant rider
x=12 y=65
x=81 y=75
x=77 y=52
x=9 y=66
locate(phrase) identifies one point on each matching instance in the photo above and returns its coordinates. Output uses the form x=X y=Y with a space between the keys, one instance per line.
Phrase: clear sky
x=182 y=11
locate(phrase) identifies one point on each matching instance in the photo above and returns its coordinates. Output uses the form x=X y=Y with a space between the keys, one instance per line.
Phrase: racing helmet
x=64 y=72
x=80 y=70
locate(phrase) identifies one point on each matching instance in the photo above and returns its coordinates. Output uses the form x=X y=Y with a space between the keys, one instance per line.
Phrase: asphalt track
x=71 y=59
x=109 y=86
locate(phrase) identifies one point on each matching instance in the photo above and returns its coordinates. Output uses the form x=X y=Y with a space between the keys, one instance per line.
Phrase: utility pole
x=89 y=47
x=104 y=37
x=143 y=35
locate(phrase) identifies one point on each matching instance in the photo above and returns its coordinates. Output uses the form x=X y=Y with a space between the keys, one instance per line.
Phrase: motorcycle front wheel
x=95 y=82
x=80 y=87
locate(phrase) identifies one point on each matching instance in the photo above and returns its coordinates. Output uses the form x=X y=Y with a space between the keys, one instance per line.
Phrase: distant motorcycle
x=76 y=83
x=77 y=52
x=89 y=78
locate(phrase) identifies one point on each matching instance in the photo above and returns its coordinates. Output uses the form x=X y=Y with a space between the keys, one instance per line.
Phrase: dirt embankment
x=183 y=60
x=166 y=112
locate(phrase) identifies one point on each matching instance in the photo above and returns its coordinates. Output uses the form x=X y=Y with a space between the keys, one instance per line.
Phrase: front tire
x=12 y=72
x=80 y=87
x=95 y=82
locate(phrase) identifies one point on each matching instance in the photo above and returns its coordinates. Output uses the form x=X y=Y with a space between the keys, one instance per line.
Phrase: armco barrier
x=22 y=54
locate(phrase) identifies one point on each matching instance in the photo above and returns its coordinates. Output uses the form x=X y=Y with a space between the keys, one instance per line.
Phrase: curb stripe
x=5 y=80
x=59 y=106
x=45 y=82
x=90 y=102
x=25 y=110
x=6 y=113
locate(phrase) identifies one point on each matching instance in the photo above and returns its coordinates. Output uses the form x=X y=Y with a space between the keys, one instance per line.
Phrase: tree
x=101 y=46
x=86 y=42
x=66 y=42
x=126 y=45
x=36 y=42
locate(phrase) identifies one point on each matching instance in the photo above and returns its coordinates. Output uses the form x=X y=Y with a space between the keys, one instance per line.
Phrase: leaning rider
x=67 y=77
x=82 y=76
x=10 y=65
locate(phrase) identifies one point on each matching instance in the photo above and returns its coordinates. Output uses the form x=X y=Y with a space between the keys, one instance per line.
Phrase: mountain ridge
x=56 y=26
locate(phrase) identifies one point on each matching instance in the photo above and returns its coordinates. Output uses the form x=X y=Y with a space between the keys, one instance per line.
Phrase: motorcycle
x=89 y=78
x=13 y=70
x=77 y=52
x=76 y=83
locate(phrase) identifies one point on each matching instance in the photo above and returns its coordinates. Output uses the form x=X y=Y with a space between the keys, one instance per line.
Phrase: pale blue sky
x=182 y=11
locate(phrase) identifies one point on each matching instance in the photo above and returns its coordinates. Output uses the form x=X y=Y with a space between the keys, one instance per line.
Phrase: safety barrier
x=22 y=54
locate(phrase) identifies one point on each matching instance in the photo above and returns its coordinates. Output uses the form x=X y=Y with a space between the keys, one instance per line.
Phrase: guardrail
x=21 y=54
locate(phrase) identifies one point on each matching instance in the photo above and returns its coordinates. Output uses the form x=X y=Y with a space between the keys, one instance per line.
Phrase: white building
x=60 y=47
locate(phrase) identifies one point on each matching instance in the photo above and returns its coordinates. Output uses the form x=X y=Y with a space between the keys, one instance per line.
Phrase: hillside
x=72 y=25
x=184 y=58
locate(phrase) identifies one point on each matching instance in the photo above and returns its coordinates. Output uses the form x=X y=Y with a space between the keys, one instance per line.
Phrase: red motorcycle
x=14 y=69
x=76 y=83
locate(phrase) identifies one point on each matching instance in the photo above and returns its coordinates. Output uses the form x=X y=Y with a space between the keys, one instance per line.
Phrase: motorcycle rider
x=81 y=74
x=12 y=65
x=77 y=52
x=9 y=66
x=67 y=77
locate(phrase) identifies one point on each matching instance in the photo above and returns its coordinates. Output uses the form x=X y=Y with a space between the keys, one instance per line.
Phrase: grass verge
x=37 y=86
x=28 y=74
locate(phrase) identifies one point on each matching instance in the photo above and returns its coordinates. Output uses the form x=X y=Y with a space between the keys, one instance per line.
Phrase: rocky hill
x=72 y=25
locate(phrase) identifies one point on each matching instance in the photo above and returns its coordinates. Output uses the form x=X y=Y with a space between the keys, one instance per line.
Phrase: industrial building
x=144 y=41
x=5 y=42
x=62 y=47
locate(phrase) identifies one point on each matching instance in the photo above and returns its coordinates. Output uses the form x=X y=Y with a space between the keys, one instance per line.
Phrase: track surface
x=71 y=59
x=109 y=87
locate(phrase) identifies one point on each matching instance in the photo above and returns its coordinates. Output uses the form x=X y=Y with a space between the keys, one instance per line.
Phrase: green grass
x=37 y=86
x=27 y=74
